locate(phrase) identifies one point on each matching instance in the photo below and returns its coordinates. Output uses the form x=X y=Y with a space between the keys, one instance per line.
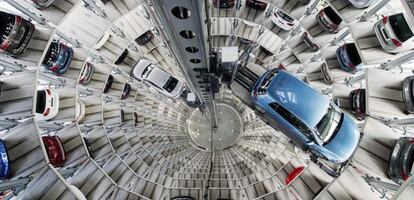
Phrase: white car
x=86 y=73
x=79 y=111
x=394 y=33
x=161 y=80
x=283 y=20
x=47 y=104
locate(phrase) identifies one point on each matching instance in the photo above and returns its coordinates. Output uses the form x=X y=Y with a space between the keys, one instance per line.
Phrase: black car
x=108 y=83
x=88 y=147
x=265 y=51
x=145 y=38
x=223 y=3
x=258 y=5
x=357 y=103
x=408 y=94
x=401 y=159
x=126 y=91
x=183 y=198
x=121 y=57
x=15 y=33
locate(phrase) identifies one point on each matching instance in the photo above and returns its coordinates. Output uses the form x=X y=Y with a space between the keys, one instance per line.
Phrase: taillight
x=48 y=91
x=282 y=67
x=351 y=65
x=254 y=93
x=54 y=68
x=46 y=112
x=384 y=20
x=396 y=42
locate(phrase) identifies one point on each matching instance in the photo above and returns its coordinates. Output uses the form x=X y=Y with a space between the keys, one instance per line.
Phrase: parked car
x=326 y=74
x=121 y=57
x=15 y=34
x=54 y=150
x=265 y=51
x=80 y=111
x=108 y=83
x=360 y=3
x=310 y=42
x=357 y=103
x=223 y=3
x=348 y=58
x=126 y=91
x=47 y=104
x=401 y=159
x=5 y=169
x=86 y=73
x=245 y=41
x=122 y=115
x=58 y=58
x=135 y=119
x=308 y=118
x=158 y=78
x=258 y=5
x=183 y=198
x=283 y=20
x=329 y=20
x=408 y=94
x=88 y=147
x=42 y=4
x=394 y=33
x=145 y=38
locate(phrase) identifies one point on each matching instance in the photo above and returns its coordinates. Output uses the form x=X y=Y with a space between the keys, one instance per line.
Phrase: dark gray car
x=408 y=94
x=401 y=159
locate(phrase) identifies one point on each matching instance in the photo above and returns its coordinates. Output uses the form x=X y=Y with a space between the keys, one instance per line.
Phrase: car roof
x=158 y=77
x=298 y=97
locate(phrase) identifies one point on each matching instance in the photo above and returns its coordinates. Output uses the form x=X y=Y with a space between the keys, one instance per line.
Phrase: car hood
x=299 y=98
x=345 y=142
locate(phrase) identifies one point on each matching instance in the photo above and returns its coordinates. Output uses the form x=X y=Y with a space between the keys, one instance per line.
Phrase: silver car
x=394 y=34
x=361 y=3
x=164 y=82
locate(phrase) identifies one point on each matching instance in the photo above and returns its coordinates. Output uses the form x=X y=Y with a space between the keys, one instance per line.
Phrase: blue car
x=308 y=118
x=5 y=169
x=58 y=58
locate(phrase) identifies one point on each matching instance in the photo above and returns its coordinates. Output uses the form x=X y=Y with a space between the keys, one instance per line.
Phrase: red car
x=223 y=3
x=55 y=151
x=259 y=5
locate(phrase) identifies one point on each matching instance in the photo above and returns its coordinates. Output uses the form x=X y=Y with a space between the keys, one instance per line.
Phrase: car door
x=289 y=124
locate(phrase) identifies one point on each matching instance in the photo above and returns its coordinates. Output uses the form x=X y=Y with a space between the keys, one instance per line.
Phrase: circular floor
x=230 y=126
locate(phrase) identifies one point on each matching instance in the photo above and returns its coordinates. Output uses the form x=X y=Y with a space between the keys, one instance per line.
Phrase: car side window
x=292 y=119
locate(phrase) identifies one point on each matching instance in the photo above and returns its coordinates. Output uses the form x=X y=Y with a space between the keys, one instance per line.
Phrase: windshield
x=400 y=27
x=170 y=85
x=267 y=80
x=330 y=123
x=335 y=18
x=353 y=53
x=41 y=101
x=147 y=71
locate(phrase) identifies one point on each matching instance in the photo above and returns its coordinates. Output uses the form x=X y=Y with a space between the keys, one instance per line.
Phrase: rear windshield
x=400 y=27
x=335 y=18
x=40 y=101
x=353 y=53
x=122 y=57
x=171 y=83
x=6 y=25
